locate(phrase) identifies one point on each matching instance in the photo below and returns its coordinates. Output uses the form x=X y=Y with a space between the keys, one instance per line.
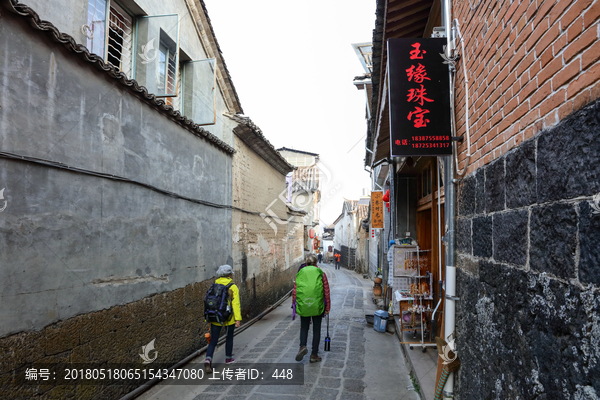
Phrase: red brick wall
x=529 y=63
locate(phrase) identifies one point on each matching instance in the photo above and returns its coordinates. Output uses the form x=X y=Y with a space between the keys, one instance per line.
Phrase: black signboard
x=419 y=94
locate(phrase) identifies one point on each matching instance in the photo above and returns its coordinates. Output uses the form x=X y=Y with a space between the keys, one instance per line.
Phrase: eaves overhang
x=226 y=83
x=253 y=137
x=294 y=210
x=394 y=19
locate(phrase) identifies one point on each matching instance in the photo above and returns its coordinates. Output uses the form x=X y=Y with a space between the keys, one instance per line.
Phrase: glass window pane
x=161 y=70
x=95 y=30
x=199 y=91
x=157 y=53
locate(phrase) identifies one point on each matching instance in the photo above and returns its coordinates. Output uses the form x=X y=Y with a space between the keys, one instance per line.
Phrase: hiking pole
x=327 y=339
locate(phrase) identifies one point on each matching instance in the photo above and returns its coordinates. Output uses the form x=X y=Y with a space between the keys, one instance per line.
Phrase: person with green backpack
x=311 y=302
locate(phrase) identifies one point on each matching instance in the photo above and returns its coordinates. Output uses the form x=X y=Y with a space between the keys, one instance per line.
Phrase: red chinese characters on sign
x=418 y=95
x=418 y=74
x=417 y=53
x=419 y=120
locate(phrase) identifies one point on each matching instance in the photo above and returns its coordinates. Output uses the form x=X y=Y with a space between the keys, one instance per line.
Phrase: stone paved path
x=362 y=363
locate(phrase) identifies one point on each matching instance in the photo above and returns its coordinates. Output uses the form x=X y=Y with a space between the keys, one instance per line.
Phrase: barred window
x=113 y=42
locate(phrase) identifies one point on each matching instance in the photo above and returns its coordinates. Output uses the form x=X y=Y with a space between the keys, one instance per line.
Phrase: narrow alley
x=172 y=167
x=362 y=363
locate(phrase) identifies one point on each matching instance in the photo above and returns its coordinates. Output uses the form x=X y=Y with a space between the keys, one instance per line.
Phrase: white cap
x=224 y=270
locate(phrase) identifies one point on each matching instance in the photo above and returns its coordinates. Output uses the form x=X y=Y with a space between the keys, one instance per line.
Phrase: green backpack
x=310 y=295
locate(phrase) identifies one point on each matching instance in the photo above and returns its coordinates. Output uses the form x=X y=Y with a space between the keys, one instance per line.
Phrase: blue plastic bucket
x=380 y=320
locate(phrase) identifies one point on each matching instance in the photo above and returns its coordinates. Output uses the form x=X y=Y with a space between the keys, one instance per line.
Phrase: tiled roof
x=228 y=83
x=293 y=209
x=349 y=205
x=306 y=179
x=362 y=77
x=363 y=211
x=298 y=151
x=132 y=85
x=251 y=134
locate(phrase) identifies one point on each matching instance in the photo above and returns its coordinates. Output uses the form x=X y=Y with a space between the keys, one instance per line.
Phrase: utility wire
x=59 y=165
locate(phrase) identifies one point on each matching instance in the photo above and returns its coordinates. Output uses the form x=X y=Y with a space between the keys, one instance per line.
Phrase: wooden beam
x=396 y=5
x=411 y=33
x=406 y=14
x=396 y=31
x=435 y=18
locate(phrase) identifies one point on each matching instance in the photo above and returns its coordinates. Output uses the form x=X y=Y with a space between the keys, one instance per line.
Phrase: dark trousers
x=337 y=265
x=304 y=324
x=215 y=331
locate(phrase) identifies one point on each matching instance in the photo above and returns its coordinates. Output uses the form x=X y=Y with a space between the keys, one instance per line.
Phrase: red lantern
x=386 y=199
x=311 y=233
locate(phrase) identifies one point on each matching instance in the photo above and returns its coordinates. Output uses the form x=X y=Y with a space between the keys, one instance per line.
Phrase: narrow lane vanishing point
x=362 y=363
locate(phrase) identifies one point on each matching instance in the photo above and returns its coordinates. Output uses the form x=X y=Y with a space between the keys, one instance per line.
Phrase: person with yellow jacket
x=225 y=274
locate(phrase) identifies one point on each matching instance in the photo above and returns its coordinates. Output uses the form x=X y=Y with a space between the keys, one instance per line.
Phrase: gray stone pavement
x=362 y=363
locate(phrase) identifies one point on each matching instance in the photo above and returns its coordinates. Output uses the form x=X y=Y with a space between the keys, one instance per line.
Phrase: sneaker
x=315 y=358
x=208 y=366
x=229 y=360
x=301 y=353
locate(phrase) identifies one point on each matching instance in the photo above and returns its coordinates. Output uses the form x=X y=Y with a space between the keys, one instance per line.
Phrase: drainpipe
x=450 y=210
x=393 y=199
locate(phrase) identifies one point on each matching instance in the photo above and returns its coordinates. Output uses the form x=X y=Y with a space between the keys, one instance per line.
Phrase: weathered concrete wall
x=295 y=241
x=72 y=243
x=262 y=252
x=373 y=253
x=362 y=248
x=528 y=239
x=257 y=246
x=69 y=16
x=338 y=238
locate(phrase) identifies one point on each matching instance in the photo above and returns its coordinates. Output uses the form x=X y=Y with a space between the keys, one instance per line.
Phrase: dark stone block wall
x=528 y=268
x=482 y=239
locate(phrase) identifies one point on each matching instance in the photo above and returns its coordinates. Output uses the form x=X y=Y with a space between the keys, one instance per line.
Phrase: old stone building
x=523 y=240
x=124 y=165
x=350 y=235
x=304 y=191
x=267 y=245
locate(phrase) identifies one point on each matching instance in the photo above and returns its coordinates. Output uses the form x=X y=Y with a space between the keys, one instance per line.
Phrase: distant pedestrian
x=337 y=260
x=311 y=299
x=320 y=257
x=225 y=274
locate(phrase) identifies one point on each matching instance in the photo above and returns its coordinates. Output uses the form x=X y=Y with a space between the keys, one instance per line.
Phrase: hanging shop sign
x=377 y=210
x=419 y=94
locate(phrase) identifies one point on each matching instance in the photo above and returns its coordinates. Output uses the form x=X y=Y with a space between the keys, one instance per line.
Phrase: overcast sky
x=292 y=65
